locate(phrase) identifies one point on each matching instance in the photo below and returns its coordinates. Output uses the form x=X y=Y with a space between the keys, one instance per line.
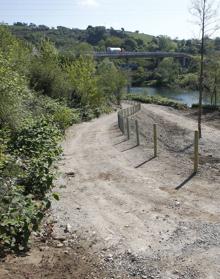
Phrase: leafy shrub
x=189 y=80
x=64 y=117
x=207 y=107
x=46 y=74
x=40 y=136
x=19 y=216
x=55 y=110
x=37 y=144
x=33 y=149
x=13 y=91
x=88 y=113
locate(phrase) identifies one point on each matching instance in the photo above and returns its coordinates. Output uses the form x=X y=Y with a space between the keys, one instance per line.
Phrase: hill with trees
x=71 y=42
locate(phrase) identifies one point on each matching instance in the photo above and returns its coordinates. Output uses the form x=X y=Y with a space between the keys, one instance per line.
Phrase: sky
x=154 y=17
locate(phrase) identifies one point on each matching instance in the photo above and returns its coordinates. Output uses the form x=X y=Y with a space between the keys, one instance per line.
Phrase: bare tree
x=205 y=13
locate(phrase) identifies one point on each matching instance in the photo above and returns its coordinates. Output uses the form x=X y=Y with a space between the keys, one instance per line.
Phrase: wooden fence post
x=155 y=139
x=137 y=132
x=127 y=112
x=196 y=151
x=128 y=128
x=123 y=125
x=118 y=120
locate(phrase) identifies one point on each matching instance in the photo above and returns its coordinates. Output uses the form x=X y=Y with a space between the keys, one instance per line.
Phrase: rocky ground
x=123 y=213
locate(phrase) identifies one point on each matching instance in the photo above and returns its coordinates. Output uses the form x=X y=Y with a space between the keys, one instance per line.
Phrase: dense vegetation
x=167 y=72
x=42 y=92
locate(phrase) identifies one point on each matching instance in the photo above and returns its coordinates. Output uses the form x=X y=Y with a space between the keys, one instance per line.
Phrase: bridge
x=141 y=54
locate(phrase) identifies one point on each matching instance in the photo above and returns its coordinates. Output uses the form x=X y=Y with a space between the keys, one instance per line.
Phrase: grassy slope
x=146 y=38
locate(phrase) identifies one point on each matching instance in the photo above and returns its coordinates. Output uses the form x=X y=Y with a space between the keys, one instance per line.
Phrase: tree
x=111 y=81
x=212 y=73
x=82 y=77
x=205 y=13
x=46 y=73
x=166 y=44
x=167 y=71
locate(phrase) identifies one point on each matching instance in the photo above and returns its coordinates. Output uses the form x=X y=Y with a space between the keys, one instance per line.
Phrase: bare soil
x=123 y=213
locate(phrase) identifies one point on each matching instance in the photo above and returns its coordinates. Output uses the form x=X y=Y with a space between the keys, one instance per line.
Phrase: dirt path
x=138 y=209
x=129 y=213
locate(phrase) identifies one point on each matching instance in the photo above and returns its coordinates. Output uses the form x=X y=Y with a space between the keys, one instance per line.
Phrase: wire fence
x=158 y=136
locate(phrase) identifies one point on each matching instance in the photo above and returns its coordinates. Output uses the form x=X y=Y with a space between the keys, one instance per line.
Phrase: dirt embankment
x=120 y=214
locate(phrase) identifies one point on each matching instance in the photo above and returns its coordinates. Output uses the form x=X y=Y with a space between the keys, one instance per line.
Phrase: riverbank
x=180 y=95
x=157 y=100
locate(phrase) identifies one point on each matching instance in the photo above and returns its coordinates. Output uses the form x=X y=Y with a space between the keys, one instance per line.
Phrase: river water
x=185 y=96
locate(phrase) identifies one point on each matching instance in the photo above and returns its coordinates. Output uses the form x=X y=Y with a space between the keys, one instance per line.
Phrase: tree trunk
x=215 y=88
x=201 y=77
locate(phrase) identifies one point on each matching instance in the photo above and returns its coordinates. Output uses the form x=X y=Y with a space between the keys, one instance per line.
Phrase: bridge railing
x=142 y=54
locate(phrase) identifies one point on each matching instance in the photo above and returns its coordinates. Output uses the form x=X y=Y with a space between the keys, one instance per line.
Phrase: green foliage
x=189 y=80
x=32 y=151
x=87 y=94
x=82 y=77
x=156 y=100
x=20 y=215
x=111 y=81
x=140 y=36
x=167 y=72
x=55 y=110
x=37 y=145
x=15 y=51
x=37 y=137
x=31 y=125
x=46 y=75
x=207 y=107
x=13 y=91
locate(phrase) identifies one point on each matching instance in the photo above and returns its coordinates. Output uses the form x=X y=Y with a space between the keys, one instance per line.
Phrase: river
x=185 y=96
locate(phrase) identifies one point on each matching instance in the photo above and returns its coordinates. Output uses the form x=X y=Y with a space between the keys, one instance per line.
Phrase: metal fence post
x=196 y=151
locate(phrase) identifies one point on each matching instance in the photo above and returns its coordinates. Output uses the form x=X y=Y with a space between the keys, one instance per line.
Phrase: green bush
x=55 y=110
x=31 y=153
x=37 y=145
x=189 y=80
x=13 y=92
x=49 y=79
x=19 y=216
x=207 y=107
x=64 y=117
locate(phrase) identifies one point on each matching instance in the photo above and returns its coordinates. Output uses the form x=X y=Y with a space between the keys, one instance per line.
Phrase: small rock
x=60 y=245
x=60 y=238
x=70 y=173
x=68 y=228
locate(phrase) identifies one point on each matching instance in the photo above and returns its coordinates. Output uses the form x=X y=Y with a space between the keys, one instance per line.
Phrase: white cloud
x=88 y=3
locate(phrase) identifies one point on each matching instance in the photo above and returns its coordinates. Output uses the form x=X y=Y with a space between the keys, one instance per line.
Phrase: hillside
x=136 y=35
